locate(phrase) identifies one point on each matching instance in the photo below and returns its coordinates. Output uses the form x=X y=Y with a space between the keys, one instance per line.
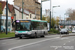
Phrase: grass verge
x=3 y=35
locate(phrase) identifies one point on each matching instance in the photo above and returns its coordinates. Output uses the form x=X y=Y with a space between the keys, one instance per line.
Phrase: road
x=50 y=42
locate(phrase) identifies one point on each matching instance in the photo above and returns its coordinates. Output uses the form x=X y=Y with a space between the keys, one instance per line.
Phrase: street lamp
x=64 y=20
x=54 y=7
x=41 y=8
x=52 y=12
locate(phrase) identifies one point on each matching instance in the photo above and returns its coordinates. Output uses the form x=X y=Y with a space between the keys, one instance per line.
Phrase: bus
x=30 y=28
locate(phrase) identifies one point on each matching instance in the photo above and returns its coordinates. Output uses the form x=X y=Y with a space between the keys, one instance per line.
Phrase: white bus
x=30 y=28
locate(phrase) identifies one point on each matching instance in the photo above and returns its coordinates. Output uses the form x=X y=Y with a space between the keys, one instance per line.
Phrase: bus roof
x=34 y=20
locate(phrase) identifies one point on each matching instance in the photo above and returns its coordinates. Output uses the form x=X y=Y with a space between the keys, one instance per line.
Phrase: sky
x=58 y=11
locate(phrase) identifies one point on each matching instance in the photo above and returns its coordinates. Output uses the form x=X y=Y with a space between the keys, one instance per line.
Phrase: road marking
x=56 y=48
x=33 y=43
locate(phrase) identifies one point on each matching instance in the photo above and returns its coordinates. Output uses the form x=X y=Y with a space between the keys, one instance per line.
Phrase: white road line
x=33 y=43
x=64 y=38
x=56 y=48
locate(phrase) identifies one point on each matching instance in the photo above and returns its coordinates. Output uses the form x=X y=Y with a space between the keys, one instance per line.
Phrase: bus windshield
x=22 y=26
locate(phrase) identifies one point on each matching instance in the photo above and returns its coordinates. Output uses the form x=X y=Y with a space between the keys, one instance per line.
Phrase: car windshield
x=23 y=26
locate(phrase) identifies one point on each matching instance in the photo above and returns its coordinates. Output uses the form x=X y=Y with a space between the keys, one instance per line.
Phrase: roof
x=37 y=2
x=9 y=6
x=26 y=11
x=3 y=4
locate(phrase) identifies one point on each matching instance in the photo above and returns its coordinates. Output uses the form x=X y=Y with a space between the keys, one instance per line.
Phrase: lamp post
x=6 y=17
x=50 y=16
x=54 y=7
x=22 y=9
x=64 y=20
x=41 y=8
x=52 y=12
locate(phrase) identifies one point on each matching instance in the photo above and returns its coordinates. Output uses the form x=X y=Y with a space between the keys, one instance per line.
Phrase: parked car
x=64 y=31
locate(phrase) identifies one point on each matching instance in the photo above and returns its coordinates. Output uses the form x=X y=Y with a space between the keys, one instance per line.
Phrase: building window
x=30 y=15
x=5 y=10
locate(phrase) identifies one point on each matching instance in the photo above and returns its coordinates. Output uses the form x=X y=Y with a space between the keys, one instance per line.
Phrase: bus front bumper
x=23 y=35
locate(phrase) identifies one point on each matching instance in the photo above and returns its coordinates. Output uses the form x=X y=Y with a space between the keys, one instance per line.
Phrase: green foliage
x=3 y=35
x=54 y=30
x=43 y=18
x=53 y=21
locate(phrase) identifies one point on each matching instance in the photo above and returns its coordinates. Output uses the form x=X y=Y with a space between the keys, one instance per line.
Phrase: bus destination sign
x=24 y=21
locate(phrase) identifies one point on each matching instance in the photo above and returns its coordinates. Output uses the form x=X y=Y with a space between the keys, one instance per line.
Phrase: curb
x=7 y=38
x=67 y=35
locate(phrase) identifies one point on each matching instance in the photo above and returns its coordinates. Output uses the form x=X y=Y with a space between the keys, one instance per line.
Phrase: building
x=3 y=17
x=27 y=14
x=32 y=5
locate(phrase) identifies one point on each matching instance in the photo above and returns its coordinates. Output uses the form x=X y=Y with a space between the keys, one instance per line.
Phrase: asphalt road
x=50 y=42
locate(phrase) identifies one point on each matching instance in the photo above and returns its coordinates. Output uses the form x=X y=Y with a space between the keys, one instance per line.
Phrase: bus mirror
x=13 y=24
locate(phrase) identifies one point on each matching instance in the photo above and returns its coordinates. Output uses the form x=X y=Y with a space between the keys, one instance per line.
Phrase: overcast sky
x=58 y=11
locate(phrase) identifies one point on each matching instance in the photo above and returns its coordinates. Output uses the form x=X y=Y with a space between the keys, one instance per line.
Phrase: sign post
x=6 y=17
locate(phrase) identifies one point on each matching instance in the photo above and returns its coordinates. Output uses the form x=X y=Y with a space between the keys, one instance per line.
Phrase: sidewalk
x=7 y=38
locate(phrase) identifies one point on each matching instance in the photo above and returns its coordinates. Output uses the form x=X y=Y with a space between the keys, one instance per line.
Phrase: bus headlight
x=16 y=32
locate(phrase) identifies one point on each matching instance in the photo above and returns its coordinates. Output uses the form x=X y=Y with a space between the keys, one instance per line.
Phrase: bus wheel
x=43 y=35
x=20 y=37
x=35 y=35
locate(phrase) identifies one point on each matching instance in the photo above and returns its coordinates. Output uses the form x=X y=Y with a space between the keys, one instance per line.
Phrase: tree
x=71 y=14
x=52 y=21
x=43 y=18
x=57 y=21
x=0 y=15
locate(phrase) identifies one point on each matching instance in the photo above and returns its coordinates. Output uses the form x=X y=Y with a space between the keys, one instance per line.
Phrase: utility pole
x=6 y=17
x=41 y=12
